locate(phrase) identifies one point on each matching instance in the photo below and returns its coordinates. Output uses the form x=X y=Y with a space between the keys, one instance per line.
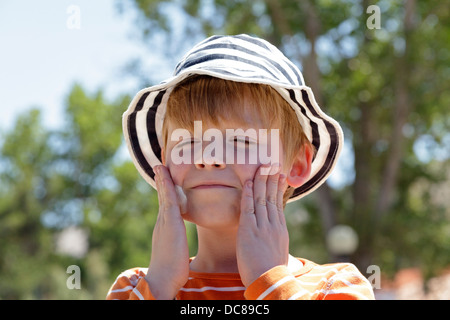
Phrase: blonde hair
x=210 y=100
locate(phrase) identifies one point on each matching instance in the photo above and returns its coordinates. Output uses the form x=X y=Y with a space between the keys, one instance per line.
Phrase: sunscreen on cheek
x=182 y=200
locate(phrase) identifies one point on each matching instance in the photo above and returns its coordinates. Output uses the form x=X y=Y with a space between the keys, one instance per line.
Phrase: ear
x=301 y=167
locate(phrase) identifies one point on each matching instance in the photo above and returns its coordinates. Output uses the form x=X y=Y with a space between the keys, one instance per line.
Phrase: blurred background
x=69 y=194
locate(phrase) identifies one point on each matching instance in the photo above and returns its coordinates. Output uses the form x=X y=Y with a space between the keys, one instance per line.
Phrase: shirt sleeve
x=348 y=284
x=130 y=285
x=278 y=283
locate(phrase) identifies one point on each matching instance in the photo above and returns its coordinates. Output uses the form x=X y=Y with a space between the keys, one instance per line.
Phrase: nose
x=206 y=166
x=210 y=156
x=210 y=163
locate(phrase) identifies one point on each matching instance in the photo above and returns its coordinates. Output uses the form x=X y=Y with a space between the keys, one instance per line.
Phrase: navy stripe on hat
x=269 y=62
x=134 y=139
x=332 y=150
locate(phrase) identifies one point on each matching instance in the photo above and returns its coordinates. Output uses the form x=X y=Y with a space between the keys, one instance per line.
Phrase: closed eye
x=243 y=141
x=187 y=143
x=240 y=140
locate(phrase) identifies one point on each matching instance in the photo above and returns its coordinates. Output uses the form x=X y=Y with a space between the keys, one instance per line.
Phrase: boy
x=194 y=138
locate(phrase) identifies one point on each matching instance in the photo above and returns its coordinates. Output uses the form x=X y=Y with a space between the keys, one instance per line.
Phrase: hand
x=262 y=240
x=169 y=265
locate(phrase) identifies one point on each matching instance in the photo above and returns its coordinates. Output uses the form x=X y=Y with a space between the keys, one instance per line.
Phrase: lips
x=211 y=185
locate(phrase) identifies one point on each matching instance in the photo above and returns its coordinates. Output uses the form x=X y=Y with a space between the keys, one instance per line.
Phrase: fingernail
x=265 y=169
x=274 y=168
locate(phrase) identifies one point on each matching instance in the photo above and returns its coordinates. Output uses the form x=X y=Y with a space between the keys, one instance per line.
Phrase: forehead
x=247 y=117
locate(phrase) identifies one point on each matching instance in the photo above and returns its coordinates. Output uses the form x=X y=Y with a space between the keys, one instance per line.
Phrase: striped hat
x=239 y=58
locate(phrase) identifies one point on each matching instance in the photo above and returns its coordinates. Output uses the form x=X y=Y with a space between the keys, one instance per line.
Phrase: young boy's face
x=213 y=186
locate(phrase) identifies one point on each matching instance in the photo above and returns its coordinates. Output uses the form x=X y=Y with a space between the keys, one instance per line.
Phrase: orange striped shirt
x=300 y=280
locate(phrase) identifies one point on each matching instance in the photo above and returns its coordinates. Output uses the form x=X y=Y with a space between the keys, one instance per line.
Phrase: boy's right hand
x=169 y=265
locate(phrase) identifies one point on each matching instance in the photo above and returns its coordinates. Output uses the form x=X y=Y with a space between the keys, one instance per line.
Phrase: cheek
x=246 y=172
x=177 y=171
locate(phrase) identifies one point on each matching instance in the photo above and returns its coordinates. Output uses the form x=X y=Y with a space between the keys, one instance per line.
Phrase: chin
x=213 y=214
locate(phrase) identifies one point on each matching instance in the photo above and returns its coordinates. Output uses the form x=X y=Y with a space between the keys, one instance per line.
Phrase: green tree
x=24 y=241
x=51 y=180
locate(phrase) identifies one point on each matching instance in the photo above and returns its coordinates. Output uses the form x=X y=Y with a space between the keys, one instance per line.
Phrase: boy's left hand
x=262 y=240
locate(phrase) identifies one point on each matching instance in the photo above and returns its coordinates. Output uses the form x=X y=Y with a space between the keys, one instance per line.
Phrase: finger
x=272 y=184
x=247 y=204
x=158 y=184
x=272 y=193
x=161 y=189
x=168 y=188
x=259 y=193
x=159 y=192
x=282 y=184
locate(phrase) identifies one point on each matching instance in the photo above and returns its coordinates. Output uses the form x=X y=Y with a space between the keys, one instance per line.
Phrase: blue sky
x=40 y=57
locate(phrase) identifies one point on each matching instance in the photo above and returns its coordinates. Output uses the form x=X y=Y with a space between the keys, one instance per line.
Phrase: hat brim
x=143 y=120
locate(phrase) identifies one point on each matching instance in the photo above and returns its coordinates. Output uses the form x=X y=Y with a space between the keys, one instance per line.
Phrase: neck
x=216 y=251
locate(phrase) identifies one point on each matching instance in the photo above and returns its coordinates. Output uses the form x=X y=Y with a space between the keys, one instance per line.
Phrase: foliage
x=51 y=180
